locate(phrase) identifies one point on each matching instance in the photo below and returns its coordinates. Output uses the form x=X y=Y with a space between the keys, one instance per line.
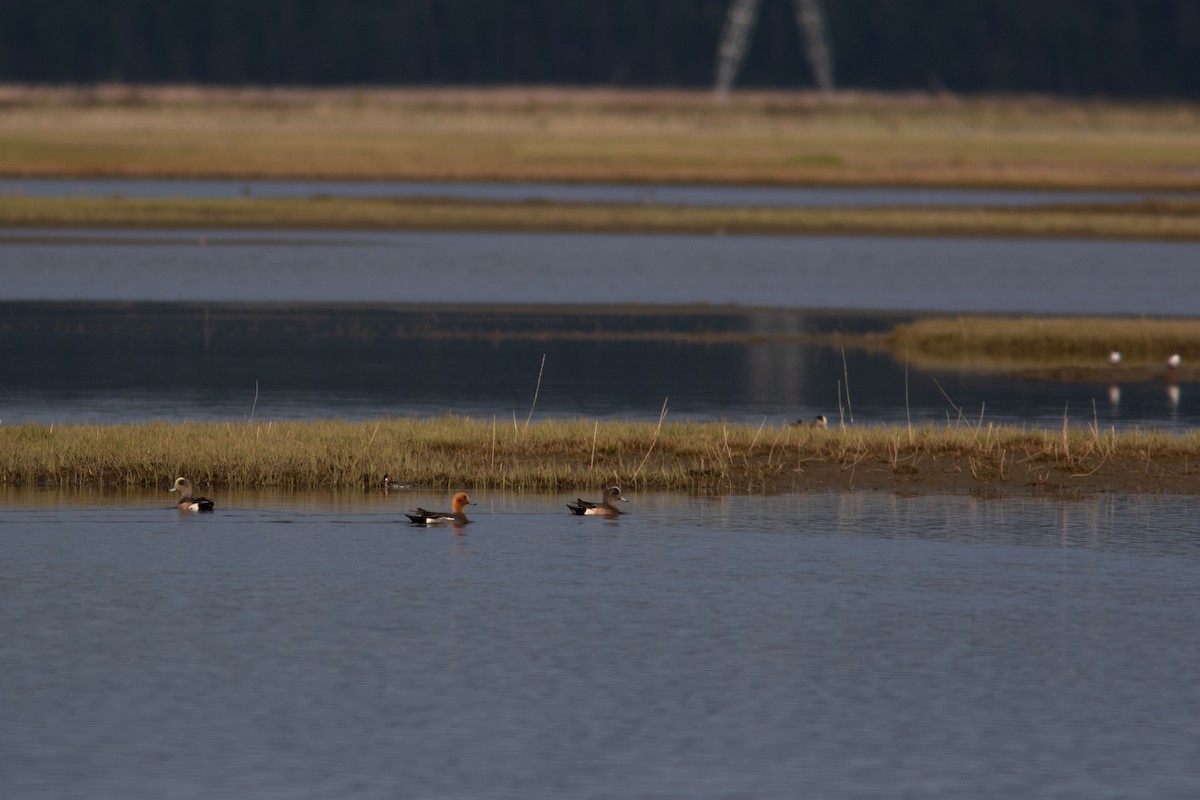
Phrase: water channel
x=835 y=646
x=839 y=646
x=699 y=195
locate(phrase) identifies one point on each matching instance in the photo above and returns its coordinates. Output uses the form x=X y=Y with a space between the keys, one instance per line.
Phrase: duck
x=186 y=501
x=818 y=422
x=604 y=508
x=422 y=517
x=390 y=485
x=1114 y=358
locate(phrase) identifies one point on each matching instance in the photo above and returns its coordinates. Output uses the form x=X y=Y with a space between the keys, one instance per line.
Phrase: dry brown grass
x=711 y=457
x=598 y=135
x=1023 y=343
x=1171 y=221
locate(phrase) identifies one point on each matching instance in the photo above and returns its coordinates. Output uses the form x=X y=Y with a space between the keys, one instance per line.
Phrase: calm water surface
x=817 y=272
x=297 y=325
x=854 y=645
x=821 y=197
x=123 y=362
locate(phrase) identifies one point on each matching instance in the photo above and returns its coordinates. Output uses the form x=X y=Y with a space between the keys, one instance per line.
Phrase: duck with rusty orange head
x=456 y=517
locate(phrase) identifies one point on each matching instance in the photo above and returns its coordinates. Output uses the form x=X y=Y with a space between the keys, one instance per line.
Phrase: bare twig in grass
x=254 y=405
x=841 y=410
x=757 y=433
x=595 y=433
x=907 y=412
x=1065 y=439
x=846 y=374
x=948 y=400
x=492 y=468
x=536 y=390
x=654 y=440
x=770 y=455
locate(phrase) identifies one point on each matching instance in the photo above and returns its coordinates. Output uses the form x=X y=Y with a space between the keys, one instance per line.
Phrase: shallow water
x=819 y=197
x=817 y=272
x=854 y=645
x=110 y=363
x=242 y=348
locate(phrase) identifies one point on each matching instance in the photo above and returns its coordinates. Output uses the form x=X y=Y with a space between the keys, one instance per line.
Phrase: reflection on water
x=819 y=197
x=854 y=644
x=131 y=362
x=866 y=273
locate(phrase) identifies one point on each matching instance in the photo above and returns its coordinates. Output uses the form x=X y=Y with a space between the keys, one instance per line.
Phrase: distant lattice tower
x=739 y=22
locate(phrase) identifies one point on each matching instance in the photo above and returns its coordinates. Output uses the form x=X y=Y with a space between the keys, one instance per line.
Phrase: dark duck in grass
x=390 y=485
x=186 y=501
x=604 y=508
x=456 y=517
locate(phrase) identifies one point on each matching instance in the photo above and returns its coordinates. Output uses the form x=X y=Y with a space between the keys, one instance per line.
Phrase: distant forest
x=1125 y=48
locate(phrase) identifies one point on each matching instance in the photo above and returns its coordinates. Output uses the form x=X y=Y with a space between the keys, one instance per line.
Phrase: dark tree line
x=1147 y=48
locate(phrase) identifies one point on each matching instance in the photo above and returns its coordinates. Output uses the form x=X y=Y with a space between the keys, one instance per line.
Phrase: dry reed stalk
x=1065 y=439
x=951 y=402
x=907 y=412
x=595 y=433
x=536 y=390
x=841 y=410
x=254 y=405
x=757 y=433
x=653 y=440
x=846 y=373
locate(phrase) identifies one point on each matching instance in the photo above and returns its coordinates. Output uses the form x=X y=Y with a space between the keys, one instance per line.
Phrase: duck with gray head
x=186 y=501
x=604 y=508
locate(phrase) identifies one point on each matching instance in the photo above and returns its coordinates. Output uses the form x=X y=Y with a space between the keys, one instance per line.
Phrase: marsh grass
x=644 y=136
x=715 y=457
x=1038 y=342
x=1181 y=221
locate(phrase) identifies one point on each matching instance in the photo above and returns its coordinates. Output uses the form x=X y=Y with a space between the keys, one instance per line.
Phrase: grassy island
x=1148 y=219
x=642 y=137
x=709 y=457
x=606 y=135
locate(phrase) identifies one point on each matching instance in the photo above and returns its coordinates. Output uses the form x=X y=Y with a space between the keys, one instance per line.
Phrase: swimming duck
x=818 y=422
x=390 y=485
x=458 y=502
x=604 y=508
x=186 y=501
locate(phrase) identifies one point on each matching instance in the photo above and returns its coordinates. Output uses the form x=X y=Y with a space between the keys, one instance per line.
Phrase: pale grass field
x=598 y=135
